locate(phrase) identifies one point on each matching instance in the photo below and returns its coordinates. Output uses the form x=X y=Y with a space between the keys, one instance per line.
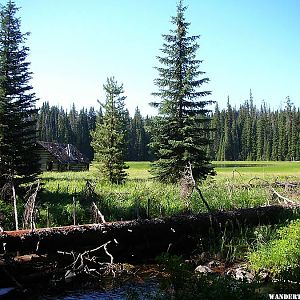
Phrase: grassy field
x=141 y=196
x=139 y=169
x=264 y=169
x=269 y=170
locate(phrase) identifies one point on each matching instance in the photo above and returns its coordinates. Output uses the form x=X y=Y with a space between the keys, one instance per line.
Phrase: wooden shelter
x=61 y=157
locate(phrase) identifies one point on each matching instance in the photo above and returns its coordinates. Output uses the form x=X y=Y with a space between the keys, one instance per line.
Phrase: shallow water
x=240 y=165
x=142 y=290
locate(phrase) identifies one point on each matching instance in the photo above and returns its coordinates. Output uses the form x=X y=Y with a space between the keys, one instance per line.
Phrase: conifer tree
x=137 y=145
x=83 y=136
x=228 y=139
x=92 y=116
x=18 y=160
x=215 y=135
x=180 y=134
x=73 y=117
x=294 y=144
x=260 y=134
x=64 y=128
x=109 y=137
x=42 y=121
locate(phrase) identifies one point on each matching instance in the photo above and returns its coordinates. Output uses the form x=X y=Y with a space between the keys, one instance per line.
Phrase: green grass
x=141 y=195
x=245 y=169
x=139 y=170
x=280 y=255
x=263 y=169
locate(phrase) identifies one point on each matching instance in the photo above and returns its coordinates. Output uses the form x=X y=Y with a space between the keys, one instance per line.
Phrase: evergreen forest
x=225 y=237
x=55 y=124
x=248 y=132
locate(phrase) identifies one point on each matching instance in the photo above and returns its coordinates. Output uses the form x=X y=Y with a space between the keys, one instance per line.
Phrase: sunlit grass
x=225 y=170
x=141 y=196
x=263 y=169
x=139 y=170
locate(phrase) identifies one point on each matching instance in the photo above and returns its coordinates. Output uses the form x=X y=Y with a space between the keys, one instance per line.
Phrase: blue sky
x=75 y=45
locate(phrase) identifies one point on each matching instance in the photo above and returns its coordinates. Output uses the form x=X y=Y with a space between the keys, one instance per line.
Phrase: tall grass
x=142 y=197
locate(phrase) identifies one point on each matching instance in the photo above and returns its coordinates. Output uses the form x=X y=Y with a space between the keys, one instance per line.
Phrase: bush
x=281 y=256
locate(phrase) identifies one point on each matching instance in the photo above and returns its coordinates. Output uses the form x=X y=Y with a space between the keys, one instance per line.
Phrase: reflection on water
x=240 y=165
x=130 y=291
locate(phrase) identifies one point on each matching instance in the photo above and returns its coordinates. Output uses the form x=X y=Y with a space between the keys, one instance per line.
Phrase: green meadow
x=141 y=196
x=226 y=170
x=264 y=169
x=66 y=199
x=236 y=185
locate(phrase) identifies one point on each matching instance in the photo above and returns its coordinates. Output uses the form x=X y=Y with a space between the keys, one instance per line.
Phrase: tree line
x=184 y=136
x=252 y=133
x=56 y=124
x=238 y=133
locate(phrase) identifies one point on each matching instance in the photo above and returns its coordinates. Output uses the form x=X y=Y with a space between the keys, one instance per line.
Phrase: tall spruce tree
x=17 y=102
x=109 y=138
x=180 y=134
x=137 y=141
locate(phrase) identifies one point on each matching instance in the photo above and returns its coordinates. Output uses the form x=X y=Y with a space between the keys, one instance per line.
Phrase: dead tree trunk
x=30 y=209
x=188 y=185
x=139 y=238
x=15 y=206
x=97 y=216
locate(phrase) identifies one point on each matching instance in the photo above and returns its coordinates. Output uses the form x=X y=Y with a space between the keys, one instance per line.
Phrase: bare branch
x=30 y=209
x=286 y=200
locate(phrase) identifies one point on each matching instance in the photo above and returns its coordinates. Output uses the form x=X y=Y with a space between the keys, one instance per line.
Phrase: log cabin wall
x=48 y=162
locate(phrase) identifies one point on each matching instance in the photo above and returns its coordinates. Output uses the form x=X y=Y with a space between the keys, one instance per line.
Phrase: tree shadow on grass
x=60 y=208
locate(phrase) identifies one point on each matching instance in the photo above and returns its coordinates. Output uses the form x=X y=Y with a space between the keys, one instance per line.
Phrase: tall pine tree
x=137 y=141
x=109 y=138
x=17 y=102
x=180 y=134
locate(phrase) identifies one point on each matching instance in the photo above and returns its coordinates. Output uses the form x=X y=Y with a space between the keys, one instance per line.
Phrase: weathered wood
x=60 y=157
x=138 y=238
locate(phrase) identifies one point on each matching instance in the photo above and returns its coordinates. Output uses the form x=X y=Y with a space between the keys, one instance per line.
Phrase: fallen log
x=138 y=238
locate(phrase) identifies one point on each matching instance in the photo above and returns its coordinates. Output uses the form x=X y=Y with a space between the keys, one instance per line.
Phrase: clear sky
x=75 y=45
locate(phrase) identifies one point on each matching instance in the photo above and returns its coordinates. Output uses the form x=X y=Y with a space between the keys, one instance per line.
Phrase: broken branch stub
x=97 y=216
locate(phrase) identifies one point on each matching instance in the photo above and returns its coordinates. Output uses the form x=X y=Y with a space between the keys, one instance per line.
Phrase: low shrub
x=280 y=256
